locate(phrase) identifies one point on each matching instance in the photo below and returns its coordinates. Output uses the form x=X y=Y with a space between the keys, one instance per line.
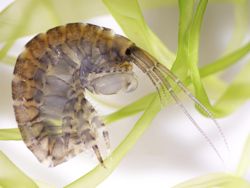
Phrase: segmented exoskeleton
x=51 y=76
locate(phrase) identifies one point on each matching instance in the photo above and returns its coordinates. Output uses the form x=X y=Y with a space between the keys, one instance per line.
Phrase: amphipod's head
x=148 y=65
x=114 y=73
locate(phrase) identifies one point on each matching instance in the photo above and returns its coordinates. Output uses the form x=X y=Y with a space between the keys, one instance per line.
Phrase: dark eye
x=128 y=52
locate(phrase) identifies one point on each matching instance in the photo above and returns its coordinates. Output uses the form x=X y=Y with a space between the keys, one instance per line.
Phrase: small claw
x=106 y=138
x=98 y=155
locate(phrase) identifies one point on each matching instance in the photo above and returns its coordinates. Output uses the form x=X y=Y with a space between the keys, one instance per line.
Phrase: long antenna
x=193 y=98
x=153 y=68
x=178 y=102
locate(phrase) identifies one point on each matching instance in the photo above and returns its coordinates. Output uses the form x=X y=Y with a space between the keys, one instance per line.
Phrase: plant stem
x=226 y=61
x=10 y=134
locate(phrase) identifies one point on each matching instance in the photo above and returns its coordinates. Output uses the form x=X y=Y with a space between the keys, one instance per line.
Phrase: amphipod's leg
x=81 y=128
x=97 y=124
x=59 y=127
x=107 y=84
x=157 y=72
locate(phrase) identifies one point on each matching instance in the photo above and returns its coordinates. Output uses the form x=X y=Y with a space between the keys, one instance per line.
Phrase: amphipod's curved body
x=51 y=76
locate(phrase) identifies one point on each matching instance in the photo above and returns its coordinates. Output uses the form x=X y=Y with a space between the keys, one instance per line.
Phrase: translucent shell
x=50 y=78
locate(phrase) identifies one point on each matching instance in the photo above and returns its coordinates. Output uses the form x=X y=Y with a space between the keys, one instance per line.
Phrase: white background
x=171 y=150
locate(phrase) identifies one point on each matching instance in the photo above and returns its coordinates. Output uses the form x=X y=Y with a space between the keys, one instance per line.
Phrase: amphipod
x=51 y=76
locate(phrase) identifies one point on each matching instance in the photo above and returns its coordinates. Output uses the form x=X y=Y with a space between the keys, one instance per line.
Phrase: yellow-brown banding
x=38 y=45
x=105 y=38
x=91 y=33
x=56 y=35
x=26 y=103
x=73 y=31
x=22 y=89
x=25 y=68
x=25 y=113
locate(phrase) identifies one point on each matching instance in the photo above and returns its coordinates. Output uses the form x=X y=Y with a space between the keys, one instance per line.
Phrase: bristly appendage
x=194 y=99
x=157 y=72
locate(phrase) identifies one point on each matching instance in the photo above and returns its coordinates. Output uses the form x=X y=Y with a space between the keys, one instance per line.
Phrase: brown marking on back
x=25 y=113
x=56 y=35
x=91 y=32
x=104 y=41
x=26 y=103
x=25 y=68
x=22 y=89
x=26 y=65
x=74 y=31
x=38 y=45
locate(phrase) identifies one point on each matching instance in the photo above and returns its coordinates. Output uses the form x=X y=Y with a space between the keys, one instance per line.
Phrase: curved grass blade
x=44 y=185
x=10 y=134
x=9 y=60
x=186 y=9
x=241 y=19
x=11 y=176
x=192 y=48
x=48 y=14
x=191 y=45
x=225 y=61
x=130 y=109
x=21 y=18
x=232 y=98
x=20 y=26
x=244 y=163
x=223 y=180
x=220 y=180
